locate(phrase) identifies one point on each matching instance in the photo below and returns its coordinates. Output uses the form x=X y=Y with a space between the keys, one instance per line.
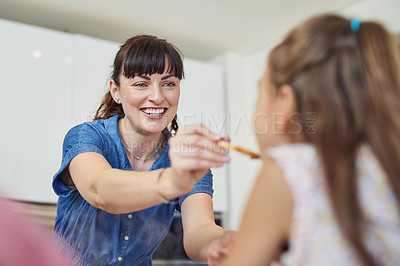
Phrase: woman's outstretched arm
x=193 y=152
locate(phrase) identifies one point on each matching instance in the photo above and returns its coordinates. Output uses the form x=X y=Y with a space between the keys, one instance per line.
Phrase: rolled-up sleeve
x=79 y=139
x=204 y=185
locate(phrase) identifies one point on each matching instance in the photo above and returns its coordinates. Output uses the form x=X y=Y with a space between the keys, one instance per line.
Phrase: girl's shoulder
x=301 y=154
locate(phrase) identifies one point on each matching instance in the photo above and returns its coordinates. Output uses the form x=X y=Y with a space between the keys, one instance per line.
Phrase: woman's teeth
x=153 y=111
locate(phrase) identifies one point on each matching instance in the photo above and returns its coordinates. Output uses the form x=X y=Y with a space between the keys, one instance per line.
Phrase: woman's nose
x=156 y=95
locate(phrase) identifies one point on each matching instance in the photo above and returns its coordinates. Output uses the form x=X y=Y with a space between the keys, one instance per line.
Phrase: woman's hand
x=193 y=151
x=219 y=248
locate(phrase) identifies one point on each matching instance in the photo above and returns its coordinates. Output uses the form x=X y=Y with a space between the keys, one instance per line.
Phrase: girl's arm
x=266 y=220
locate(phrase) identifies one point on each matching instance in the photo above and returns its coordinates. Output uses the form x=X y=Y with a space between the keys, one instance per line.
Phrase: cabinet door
x=93 y=65
x=36 y=66
x=203 y=101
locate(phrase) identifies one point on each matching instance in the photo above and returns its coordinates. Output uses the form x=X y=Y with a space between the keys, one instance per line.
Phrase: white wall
x=241 y=77
x=384 y=11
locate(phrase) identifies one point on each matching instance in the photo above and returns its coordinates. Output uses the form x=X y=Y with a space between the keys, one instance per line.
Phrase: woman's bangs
x=151 y=59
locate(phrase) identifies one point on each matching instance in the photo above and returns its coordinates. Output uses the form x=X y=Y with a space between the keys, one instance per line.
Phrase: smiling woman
x=138 y=59
x=120 y=172
x=150 y=101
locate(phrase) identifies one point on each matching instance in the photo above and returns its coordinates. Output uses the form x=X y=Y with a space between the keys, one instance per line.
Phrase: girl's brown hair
x=351 y=80
x=141 y=55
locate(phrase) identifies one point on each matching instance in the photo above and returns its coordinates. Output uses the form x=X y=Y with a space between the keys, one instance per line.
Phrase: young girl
x=329 y=189
x=120 y=172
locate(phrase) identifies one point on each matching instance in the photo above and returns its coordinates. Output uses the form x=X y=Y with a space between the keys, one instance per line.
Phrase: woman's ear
x=114 y=90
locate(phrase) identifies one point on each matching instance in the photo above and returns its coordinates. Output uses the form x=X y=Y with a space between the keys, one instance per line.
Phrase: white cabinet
x=93 y=64
x=53 y=81
x=36 y=82
x=202 y=101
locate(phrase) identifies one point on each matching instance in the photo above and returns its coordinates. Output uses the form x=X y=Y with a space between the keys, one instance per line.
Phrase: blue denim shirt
x=94 y=237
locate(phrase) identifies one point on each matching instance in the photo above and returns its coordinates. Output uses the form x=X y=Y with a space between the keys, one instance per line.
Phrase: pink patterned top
x=315 y=235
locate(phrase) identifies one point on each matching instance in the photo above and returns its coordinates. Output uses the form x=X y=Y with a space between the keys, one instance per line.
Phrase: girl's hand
x=193 y=151
x=219 y=248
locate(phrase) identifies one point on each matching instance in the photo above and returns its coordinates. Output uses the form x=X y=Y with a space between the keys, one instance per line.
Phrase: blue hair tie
x=355 y=25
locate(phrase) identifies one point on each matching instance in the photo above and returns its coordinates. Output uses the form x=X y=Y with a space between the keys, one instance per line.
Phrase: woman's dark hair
x=141 y=55
x=351 y=80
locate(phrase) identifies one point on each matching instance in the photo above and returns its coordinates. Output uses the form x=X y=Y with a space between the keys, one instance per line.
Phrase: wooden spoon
x=228 y=145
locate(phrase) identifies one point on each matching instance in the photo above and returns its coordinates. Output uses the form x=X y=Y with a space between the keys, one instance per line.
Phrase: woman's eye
x=140 y=84
x=169 y=84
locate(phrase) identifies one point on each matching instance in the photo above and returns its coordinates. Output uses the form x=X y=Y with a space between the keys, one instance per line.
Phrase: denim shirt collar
x=111 y=125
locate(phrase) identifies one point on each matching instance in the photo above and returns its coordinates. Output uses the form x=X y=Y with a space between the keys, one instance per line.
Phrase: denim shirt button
x=130 y=216
x=119 y=258
x=126 y=237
